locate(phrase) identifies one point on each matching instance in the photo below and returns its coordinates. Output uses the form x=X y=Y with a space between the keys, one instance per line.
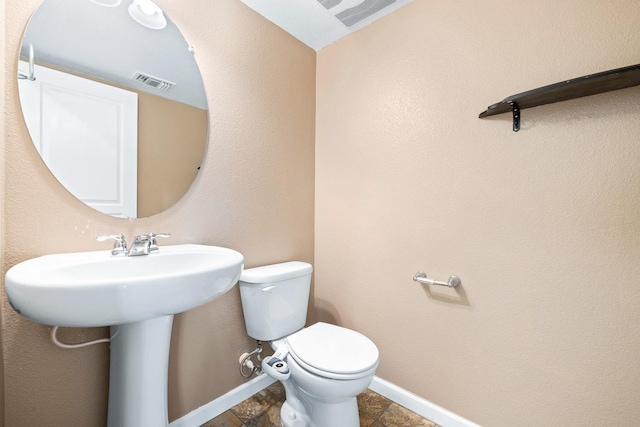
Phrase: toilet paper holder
x=421 y=277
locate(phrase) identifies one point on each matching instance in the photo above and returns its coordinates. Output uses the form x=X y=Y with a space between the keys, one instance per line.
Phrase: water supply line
x=245 y=360
x=60 y=344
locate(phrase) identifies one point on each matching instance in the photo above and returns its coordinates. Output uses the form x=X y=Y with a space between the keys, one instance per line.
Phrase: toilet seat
x=333 y=352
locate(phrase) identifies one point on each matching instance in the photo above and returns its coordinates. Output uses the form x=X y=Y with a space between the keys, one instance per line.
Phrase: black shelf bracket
x=606 y=81
x=516 y=115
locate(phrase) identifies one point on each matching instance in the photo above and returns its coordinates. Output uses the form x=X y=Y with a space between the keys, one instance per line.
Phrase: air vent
x=152 y=81
x=362 y=11
x=351 y=12
x=328 y=4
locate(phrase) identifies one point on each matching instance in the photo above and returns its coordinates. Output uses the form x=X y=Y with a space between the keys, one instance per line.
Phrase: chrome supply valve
x=119 y=246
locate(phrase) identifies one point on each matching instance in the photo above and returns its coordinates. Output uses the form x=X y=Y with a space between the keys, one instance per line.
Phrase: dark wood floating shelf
x=606 y=81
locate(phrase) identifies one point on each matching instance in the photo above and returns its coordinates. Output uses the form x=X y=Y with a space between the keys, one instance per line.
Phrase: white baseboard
x=223 y=403
x=420 y=406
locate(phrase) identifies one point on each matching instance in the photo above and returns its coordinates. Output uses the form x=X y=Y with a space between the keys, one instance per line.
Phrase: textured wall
x=254 y=194
x=172 y=139
x=2 y=139
x=542 y=226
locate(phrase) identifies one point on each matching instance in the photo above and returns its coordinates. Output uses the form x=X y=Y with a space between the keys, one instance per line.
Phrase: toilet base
x=322 y=414
x=331 y=414
x=289 y=417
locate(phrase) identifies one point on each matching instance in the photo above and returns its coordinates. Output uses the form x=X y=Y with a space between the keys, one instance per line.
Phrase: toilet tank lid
x=276 y=272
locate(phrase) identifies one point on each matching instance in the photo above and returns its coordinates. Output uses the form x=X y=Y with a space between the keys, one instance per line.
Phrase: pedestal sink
x=137 y=297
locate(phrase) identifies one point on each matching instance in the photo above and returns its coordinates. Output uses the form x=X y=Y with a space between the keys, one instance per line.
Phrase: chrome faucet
x=143 y=244
x=140 y=246
x=119 y=246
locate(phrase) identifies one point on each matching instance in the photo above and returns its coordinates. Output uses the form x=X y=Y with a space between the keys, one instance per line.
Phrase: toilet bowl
x=323 y=367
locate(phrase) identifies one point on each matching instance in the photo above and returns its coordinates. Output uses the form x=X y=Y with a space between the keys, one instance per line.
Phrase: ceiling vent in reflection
x=350 y=12
x=160 y=84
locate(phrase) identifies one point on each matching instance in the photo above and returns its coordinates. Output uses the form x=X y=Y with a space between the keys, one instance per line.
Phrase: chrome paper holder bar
x=421 y=277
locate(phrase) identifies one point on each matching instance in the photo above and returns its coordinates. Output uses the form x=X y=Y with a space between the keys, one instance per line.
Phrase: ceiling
x=105 y=42
x=318 y=23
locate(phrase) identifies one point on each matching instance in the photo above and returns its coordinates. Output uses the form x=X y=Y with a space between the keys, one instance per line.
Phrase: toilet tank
x=275 y=299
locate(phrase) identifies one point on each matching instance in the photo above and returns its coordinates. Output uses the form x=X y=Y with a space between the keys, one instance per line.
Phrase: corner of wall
x=2 y=135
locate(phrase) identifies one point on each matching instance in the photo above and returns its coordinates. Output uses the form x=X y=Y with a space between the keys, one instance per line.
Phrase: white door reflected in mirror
x=105 y=45
x=87 y=134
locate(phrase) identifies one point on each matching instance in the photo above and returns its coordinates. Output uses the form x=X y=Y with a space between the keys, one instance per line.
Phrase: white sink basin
x=137 y=296
x=88 y=289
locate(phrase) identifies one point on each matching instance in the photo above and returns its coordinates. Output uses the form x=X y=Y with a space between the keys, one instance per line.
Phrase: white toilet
x=323 y=367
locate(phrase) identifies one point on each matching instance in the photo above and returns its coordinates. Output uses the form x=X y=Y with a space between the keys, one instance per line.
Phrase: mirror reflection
x=114 y=103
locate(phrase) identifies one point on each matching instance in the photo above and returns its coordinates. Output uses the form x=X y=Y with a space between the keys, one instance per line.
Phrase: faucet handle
x=153 y=245
x=119 y=246
x=141 y=238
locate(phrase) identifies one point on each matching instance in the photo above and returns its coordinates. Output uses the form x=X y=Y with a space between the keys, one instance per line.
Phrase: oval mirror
x=114 y=103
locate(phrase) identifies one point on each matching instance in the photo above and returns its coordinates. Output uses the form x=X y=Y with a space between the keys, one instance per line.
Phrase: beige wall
x=2 y=141
x=171 y=144
x=254 y=194
x=542 y=226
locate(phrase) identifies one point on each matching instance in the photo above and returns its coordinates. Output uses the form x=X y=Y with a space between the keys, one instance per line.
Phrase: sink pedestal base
x=139 y=373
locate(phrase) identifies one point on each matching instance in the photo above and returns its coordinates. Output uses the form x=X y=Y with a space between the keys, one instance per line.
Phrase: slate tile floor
x=263 y=410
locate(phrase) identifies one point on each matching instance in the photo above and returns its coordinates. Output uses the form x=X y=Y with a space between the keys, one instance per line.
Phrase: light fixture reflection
x=147 y=13
x=107 y=3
